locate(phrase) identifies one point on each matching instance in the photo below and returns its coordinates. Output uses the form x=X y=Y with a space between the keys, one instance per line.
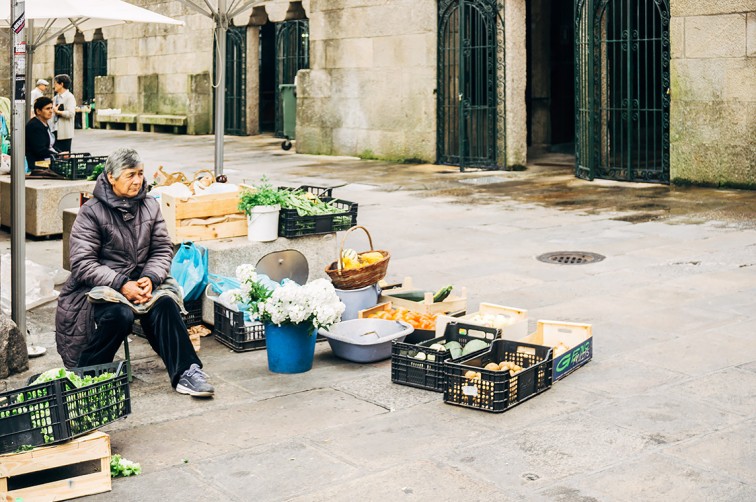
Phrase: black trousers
x=163 y=327
x=62 y=145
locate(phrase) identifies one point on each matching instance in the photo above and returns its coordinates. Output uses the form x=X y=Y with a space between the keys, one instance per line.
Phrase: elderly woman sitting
x=120 y=259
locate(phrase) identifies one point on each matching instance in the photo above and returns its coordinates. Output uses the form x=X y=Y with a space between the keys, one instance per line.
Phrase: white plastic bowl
x=365 y=340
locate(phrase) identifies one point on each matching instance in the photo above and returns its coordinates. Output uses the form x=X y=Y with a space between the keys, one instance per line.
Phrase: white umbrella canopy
x=84 y=14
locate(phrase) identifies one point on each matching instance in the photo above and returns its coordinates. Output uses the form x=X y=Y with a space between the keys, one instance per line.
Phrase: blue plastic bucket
x=290 y=347
x=358 y=299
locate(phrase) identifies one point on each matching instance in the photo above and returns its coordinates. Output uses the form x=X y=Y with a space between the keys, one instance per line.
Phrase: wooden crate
x=453 y=303
x=178 y=211
x=91 y=447
x=515 y=329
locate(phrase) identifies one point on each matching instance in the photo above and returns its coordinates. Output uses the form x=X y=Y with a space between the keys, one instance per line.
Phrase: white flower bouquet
x=315 y=303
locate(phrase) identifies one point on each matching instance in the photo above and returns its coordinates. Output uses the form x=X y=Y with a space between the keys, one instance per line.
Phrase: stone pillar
x=148 y=91
x=199 y=111
x=78 y=67
x=516 y=68
x=713 y=96
x=104 y=93
x=14 y=357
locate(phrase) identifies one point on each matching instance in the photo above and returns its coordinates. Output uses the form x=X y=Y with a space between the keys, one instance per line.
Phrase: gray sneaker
x=194 y=382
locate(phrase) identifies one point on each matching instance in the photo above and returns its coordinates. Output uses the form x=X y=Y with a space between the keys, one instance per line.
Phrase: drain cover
x=570 y=257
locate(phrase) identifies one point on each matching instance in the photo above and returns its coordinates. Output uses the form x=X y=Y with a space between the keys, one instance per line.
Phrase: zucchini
x=442 y=293
x=412 y=296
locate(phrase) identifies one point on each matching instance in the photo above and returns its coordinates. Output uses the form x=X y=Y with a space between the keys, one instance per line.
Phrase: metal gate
x=470 y=57
x=95 y=65
x=622 y=90
x=292 y=55
x=64 y=61
x=236 y=81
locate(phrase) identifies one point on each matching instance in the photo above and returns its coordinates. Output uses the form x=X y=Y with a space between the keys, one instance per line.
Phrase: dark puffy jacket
x=113 y=240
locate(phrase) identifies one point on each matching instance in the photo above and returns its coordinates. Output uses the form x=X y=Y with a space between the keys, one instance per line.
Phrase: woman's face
x=44 y=114
x=58 y=87
x=129 y=182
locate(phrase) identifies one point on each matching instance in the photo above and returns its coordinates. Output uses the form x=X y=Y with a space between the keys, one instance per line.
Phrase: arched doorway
x=470 y=58
x=622 y=90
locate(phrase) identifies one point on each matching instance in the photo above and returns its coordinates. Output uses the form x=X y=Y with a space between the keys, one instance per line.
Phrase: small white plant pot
x=262 y=223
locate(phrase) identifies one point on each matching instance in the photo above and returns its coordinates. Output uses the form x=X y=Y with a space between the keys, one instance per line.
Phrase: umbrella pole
x=220 y=90
x=18 y=174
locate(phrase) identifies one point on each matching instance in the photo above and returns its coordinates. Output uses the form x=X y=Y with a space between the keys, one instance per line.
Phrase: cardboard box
x=516 y=319
x=184 y=216
x=577 y=337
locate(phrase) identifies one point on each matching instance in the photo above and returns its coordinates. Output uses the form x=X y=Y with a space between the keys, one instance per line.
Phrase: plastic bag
x=40 y=284
x=189 y=268
x=220 y=284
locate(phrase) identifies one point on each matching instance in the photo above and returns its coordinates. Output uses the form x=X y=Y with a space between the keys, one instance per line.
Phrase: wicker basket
x=360 y=277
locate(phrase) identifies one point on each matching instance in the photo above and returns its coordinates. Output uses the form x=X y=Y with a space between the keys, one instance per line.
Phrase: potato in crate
x=422 y=365
x=499 y=378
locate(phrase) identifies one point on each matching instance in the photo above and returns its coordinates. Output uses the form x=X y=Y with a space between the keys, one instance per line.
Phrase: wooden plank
x=65 y=489
x=208 y=232
x=202 y=206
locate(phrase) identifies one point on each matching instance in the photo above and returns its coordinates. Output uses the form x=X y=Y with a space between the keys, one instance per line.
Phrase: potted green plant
x=262 y=204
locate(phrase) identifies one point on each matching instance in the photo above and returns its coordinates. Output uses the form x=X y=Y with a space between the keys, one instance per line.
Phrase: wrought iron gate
x=622 y=90
x=95 y=65
x=292 y=55
x=470 y=58
x=64 y=61
x=236 y=81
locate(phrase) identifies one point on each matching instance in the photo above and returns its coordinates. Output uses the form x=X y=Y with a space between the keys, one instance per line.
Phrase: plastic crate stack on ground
x=64 y=407
x=76 y=166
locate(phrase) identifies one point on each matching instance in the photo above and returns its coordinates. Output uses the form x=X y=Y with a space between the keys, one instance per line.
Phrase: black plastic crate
x=417 y=365
x=315 y=190
x=76 y=166
x=56 y=411
x=291 y=224
x=193 y=317
x=230 y=330
x=89 y=408
x=31 y=416
x=469 y=384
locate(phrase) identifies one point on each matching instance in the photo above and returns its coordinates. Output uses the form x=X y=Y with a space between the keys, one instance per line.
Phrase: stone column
x=78 y=67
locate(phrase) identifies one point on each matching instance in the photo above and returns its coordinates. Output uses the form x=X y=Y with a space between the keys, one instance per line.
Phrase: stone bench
x=149 y=122
x=128 y=120
x=224 y=255
x=45 y=202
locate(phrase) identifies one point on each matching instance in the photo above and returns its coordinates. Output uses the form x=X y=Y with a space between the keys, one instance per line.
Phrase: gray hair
x=123 y=158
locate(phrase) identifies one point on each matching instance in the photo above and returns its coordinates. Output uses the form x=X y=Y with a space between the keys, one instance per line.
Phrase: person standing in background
x=38 y=92
x=64 y=109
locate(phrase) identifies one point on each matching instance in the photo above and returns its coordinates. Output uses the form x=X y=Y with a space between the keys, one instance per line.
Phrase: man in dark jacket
x=120 y=241
x=39 y=139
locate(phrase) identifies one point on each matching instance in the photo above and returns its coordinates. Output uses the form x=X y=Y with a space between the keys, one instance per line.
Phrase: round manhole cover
x=570 y=257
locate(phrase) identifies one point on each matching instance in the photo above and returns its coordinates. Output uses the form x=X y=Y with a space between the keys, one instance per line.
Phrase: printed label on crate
x=470 y=390
x=569 y=361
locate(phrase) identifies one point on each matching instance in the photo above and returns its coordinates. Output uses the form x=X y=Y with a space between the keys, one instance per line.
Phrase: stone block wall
x=370 y=87
x=713 y=107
